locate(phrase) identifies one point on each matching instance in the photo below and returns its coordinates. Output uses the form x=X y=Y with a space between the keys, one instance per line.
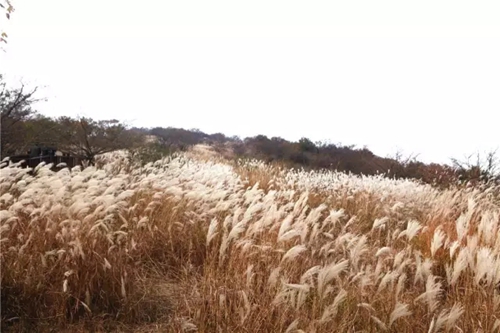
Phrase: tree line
x=23 y=127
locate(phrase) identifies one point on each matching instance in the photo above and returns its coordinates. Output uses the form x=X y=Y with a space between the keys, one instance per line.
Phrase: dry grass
x=187 y=244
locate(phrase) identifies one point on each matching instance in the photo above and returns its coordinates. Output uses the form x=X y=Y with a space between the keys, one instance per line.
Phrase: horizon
x=386 y=76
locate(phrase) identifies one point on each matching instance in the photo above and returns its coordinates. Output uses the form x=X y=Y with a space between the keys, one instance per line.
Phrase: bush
x=151 y=153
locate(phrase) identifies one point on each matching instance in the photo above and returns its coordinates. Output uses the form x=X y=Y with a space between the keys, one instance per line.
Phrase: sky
x=420 y=77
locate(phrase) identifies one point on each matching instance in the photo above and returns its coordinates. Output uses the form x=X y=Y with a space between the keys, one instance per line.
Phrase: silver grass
x=400 y=285
x=233 y=234
x=485 y=263
x=293 y=326
x=293 y=252
x=432 y=292
x=188 y=326
x=453 y=248
x=245 y=310
x=462 y=226
x=383 y=251
x=315 y=214
x=496 y=300
x=432 y=325
x=307 y=275
x=386 y=280
x=290 y=234
x=343 y=239
x=123 y=291
x=400 y=310
x=351 y=221
x=314 y=233
x=461 y=263
x=356 y=252
x=379 y=323
x=488 y=226
x=423 y=269
x=285 y=295
x=330 y=272
x=298 y=287
x=398 y=260
x=90 y=201
x=472 y=245
x=333 y=218
x=273 y=277
x=446 y=319
x=106 y=265
x=442 y=320
x=437 y=241
x=299 y=293
x=331 y=311
x=453 y=315
x=380 y=223
x=412 y=228
x=366 y=306
x=249 y=275
x=496 y=325
x=379 y=267
x=222 y=301
x=327 y=291
x=211 y=233
x=285 y=225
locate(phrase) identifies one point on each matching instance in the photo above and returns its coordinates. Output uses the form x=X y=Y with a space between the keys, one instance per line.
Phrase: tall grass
x=199 y=244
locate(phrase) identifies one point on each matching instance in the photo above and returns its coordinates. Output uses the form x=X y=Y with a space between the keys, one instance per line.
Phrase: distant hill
x=309 y=155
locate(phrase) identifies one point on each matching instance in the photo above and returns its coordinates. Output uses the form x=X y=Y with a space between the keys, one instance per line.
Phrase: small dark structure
x=37 y=155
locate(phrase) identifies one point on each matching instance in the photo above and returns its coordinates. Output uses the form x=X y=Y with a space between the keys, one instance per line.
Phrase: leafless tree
x=476 y=168
x=16 y=107
x=86 y=138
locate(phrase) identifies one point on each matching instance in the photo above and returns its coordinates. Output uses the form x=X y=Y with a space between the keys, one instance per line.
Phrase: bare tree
x=401 y=159
x=15 y=109
x=473 y=167
x=86 y=138
x=492 y=162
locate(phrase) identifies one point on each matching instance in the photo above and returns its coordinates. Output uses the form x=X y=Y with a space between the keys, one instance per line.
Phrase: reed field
x=197 y=243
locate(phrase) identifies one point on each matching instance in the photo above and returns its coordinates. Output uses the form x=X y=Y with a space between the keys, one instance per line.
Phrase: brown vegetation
x=186 y=245
x=85 y=138
x=170 y=235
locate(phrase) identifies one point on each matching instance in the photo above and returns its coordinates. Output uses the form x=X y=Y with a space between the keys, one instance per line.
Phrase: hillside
x=195 y=242
x=22 y=128
x=325 y=156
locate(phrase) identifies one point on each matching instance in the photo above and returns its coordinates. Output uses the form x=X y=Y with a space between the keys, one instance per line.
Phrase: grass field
x=199 y=244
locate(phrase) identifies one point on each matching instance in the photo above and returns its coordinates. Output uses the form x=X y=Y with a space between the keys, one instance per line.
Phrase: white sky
x=421 y=76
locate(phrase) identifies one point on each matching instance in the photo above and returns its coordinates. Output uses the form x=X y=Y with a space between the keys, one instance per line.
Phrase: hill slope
x=190 y=244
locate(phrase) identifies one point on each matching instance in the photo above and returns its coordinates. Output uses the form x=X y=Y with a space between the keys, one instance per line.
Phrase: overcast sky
x=420 y=76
